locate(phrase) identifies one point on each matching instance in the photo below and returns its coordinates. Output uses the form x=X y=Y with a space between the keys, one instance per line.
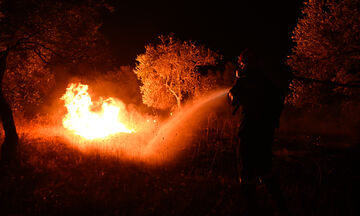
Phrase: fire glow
x=103 y=126
x=93 y=120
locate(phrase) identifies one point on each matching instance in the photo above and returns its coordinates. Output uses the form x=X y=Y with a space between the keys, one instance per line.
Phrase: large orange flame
x=92 y=120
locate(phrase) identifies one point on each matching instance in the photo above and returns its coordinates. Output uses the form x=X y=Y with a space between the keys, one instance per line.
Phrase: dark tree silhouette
x=35 y=34
x=8 y=149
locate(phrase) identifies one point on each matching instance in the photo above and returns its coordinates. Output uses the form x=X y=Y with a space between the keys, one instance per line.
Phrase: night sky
x=224 y=26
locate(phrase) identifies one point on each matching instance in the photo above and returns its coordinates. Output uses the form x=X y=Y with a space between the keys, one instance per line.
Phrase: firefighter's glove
x=230 y=98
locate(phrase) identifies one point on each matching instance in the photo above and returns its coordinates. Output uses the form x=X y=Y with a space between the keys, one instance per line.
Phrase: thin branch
x=43 y=46
x=41 y=56
x=32 y=34
x=171 y=91
x=24 y=39
x=327 y=82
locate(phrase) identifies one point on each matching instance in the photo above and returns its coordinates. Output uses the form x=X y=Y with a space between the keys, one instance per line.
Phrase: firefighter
x=260 y=101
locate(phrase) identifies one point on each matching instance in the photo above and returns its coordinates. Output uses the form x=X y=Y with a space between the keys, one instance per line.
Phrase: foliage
x=40 y=34
x=30 y=89
x=168 y=72
x=327 y=39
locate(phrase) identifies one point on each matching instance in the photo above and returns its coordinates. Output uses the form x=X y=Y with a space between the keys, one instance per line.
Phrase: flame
x=92 y=120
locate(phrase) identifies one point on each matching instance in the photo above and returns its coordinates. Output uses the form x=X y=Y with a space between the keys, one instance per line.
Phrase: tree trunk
x=178 y=101
x=9 y=147
x=178 y=98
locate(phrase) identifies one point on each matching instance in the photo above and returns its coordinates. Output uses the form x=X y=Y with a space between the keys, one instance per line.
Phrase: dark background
x=226 y=26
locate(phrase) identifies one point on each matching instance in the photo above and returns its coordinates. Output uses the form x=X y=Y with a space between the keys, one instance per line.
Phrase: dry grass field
x=56 y=177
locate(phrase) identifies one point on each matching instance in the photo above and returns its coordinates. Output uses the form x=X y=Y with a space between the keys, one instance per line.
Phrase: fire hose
x=355 y=84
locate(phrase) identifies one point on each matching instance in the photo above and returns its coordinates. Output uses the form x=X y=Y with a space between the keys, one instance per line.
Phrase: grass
x=55 y=178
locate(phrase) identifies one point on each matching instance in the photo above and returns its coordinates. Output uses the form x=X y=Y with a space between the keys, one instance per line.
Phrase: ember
x=93 y=120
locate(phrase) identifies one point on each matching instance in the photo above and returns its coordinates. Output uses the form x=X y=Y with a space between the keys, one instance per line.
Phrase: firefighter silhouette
x=259 y=96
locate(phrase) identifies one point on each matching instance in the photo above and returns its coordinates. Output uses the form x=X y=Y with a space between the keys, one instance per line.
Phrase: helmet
x=248 y=58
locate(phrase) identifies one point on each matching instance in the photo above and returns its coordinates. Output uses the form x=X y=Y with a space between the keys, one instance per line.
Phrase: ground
x=54 y=178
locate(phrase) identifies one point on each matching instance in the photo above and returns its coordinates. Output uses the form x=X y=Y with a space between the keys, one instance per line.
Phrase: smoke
x=155 y=141
x=176 y=133
x=119 y=83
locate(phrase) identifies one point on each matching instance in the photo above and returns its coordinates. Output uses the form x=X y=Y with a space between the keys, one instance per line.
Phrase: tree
x=327 y=39
x=36 y=34
x=8 y=149
x=168 y=72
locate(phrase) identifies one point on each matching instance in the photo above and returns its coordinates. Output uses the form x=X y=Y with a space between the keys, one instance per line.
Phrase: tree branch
x=41 y=56
x=326 y=82
x=43 y=46
x=23 y=39
x=170 y=90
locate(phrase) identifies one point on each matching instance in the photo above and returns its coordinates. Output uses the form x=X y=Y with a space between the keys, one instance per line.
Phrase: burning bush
x=93 y=119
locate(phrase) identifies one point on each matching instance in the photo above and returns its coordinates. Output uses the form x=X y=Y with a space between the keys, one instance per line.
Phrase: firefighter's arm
x=233 y=95
x=230 y=97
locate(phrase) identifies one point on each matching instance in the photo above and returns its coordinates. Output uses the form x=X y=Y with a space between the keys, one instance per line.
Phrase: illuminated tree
x=36 y=34
x=327 y=48
x=168 y=72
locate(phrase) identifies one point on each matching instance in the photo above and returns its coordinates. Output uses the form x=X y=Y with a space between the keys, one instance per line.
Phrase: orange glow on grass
x=93 y=120
x=103 y=127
